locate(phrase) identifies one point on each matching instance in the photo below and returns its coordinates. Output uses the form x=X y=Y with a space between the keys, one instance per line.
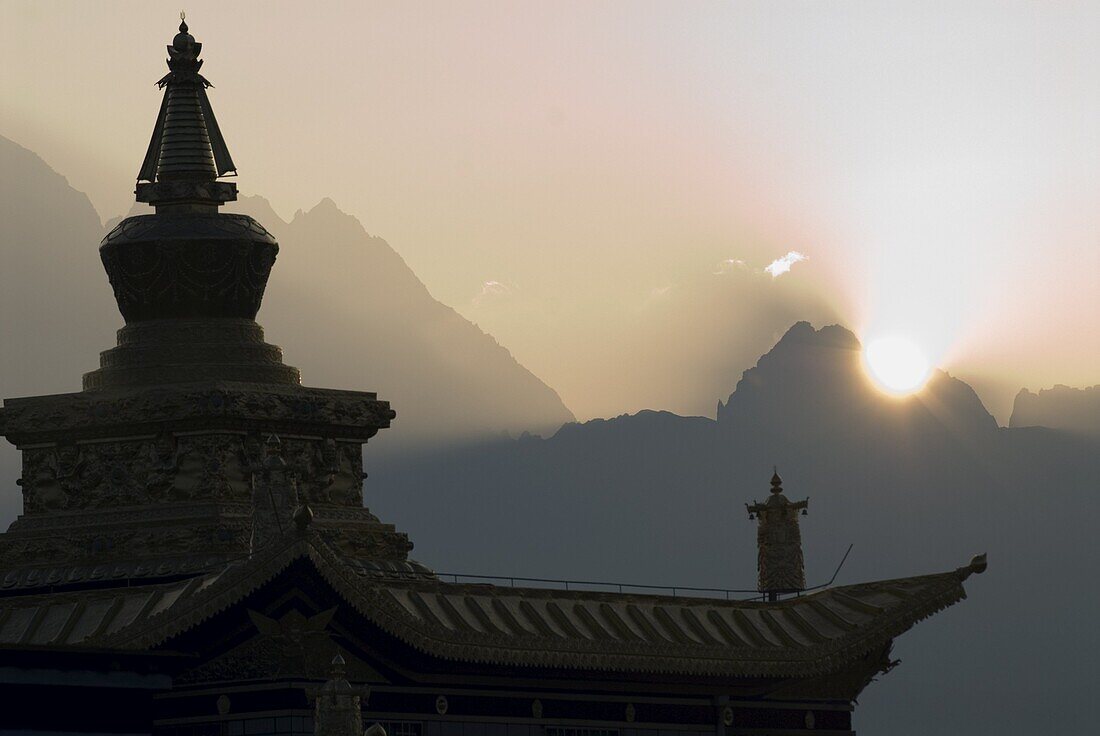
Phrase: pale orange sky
x=600 y=161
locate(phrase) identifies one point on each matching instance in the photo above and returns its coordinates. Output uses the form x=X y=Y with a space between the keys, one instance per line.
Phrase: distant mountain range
x=1071 y=409
x=917 y=484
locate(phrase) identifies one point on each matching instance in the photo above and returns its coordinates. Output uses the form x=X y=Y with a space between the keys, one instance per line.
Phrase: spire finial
x=183 y=22
x=777 y=482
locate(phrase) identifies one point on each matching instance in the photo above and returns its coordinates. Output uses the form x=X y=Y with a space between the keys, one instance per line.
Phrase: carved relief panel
x=171 y=468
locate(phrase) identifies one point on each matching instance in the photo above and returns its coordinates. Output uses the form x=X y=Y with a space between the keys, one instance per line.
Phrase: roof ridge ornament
x=779 y=563
x=976 y=566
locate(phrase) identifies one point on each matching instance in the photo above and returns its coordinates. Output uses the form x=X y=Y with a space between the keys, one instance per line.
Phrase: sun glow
x=896 y=364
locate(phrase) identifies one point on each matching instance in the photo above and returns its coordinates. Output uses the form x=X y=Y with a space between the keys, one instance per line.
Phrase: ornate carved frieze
x=178 y=192
x=100 y=546
x=168 y=468
x=379 y=543
x=172 y=496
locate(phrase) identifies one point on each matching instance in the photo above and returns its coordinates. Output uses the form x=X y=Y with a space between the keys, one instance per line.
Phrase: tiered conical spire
x=187 y=152
x=187 y=144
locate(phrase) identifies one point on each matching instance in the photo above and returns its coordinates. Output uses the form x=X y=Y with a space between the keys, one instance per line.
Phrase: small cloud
x=729 y=265
x=657 y=295
x=492 y=290
x=781 y=265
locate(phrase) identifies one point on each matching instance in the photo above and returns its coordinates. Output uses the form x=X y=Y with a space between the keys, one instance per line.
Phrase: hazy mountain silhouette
x=917 y=484
x=349 y=312
x=56 y=309
x=1074 y=410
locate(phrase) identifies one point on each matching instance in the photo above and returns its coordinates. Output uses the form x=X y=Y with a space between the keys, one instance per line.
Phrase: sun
x=896 y=364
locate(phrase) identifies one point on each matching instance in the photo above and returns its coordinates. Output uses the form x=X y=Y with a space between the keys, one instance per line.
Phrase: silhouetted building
x=194 y=556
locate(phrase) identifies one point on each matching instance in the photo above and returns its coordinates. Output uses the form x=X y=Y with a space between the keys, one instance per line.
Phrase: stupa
x=194 y=556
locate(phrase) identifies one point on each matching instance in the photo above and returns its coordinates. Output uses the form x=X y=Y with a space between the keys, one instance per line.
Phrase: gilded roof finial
x=779 y=541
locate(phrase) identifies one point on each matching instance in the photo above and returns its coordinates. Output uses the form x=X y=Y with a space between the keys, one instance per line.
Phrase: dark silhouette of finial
x=777 y=482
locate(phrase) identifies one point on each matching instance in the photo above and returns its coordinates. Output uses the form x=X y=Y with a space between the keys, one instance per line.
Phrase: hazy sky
x=559 y=171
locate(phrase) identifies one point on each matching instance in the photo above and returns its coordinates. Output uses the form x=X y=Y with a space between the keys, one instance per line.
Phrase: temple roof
x=807 y=635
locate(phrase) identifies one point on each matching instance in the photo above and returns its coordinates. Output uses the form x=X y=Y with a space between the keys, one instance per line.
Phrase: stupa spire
x=187 y=145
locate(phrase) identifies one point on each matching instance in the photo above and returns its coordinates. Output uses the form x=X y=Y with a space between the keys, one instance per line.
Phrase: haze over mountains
x=368 y=323
x=918 y=485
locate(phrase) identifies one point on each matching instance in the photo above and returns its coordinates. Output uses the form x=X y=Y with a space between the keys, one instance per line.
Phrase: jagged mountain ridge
x=833 y=385
x=1074 y=410
x=358 y=317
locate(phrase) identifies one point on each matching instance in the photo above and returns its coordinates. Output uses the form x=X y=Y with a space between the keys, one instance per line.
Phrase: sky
x=589 y=181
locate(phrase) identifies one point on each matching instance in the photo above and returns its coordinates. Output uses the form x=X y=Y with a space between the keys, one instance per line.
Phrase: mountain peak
x=833 y=336
x=813 y=375
x=326 y=205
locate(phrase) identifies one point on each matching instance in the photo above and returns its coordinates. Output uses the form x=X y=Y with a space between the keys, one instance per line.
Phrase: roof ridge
x=810 y=643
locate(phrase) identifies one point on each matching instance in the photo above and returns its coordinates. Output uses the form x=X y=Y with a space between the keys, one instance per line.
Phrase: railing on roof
x=601 y=585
